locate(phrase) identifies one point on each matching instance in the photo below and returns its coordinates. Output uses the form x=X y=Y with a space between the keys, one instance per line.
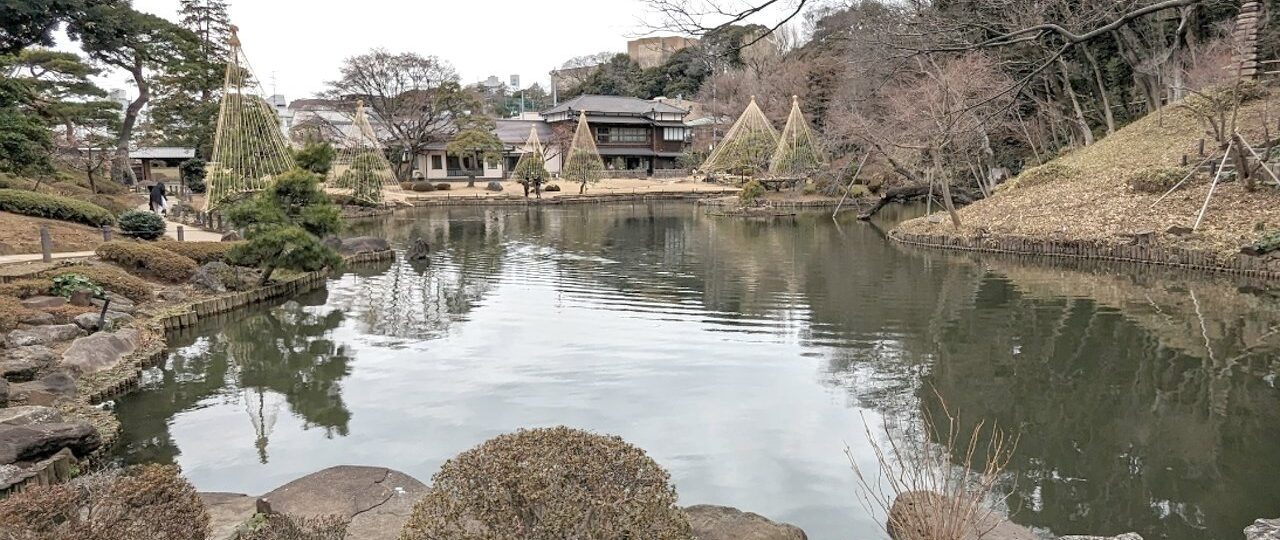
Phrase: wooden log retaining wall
x=1260 y=267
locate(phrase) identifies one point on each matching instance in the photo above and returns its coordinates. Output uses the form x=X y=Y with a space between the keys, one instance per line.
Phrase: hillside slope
x=1086 y=195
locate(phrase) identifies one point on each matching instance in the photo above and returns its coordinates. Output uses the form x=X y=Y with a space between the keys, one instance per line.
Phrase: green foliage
x=148 y=259
x=691 y=160
x=67 y=284
x=142 y=224
x=444 y=186
x=620 y=76
x=25 y=143
x=1154 y=180
x=200 y=252
x=477 y=139
x=549 y=483
x=618 y=164
x=30 y=203
x=109 y=277
x=531 y=167
x=184 y=109
x=284 y=225
x=32 y=22
x=193 y=173
x=859 y=191
x=551 y=187
x=1267 y=244
x=148 y=502
x=748 y=154
x=364 y=178
x=751 y=193
x=316 y=157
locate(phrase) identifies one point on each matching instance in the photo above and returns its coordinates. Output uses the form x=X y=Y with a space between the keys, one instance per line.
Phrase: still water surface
x=744 y=357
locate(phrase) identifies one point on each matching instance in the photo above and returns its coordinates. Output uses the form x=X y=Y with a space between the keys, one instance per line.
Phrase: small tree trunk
x=1086 y=134
x=120 y=169
x=1102 y=90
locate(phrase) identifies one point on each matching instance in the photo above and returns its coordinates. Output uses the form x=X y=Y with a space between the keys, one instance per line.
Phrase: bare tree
x=412 y=97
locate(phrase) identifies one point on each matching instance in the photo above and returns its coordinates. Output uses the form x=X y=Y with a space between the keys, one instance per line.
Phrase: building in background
x=636 y=137
x=654 y=51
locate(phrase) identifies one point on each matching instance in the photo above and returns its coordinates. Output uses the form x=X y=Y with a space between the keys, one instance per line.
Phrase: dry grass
x=938 y=483
x=1096 y=203
x=21 y=234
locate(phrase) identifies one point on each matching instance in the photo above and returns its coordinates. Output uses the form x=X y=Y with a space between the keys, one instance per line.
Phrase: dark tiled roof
x=612 y=105
x=516 y=132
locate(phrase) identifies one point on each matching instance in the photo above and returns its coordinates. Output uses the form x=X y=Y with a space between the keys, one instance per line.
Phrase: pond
x=746 y=358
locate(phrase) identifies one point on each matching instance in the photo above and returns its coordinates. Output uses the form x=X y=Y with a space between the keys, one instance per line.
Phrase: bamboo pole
x=1214 y=186
x=851 y=182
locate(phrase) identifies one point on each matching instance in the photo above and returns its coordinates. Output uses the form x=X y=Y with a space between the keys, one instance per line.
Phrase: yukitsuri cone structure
x=532 y=164
x=249 y=149
x=746 y=147
x=583 y=164
x=798 y=152
x=361 y=169
x=1246 y=38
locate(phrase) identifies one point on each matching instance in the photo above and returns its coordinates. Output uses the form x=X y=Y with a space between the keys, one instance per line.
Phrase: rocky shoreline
x=377 y=501
x=54 y=375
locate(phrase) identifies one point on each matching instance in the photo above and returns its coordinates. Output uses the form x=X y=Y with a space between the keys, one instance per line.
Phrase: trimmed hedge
x=148 y=259
x=443 y=186
x=200 y=252
x=10 y=312
x=30 y=203
x=111 y=278
x=422 y=187
x=26 y=288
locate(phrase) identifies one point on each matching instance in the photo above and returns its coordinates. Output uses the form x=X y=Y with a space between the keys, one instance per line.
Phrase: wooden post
x=1201 y=147
x=1184 y=160
x=46 y=244
x=180 y=233
x=219 y=222
x=106 y=233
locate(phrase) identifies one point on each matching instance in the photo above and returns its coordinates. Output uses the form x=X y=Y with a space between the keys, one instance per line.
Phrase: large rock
x=100 y=352
x=44 y=302
x=913 y=516
x=113 y=319
x=38 y=441
x=419 y=250
x=227 y=511
x=725 y=523
x=24 y=363
x=38 y=318
x=359 y=244
x=118 y=303
x=377 y=500
x=1263 y=529
x=213 y=277
x=46 y=391
x=27 y=415
x=43 y=335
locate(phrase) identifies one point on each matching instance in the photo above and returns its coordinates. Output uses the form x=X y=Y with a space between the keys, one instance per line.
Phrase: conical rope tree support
x=747 y=147
x=532 y=165
x=583 y=165
x=799 y=152
x=361 y=169
x=249 y=149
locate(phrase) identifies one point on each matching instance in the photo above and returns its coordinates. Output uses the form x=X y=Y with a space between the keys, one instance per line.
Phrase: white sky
x=303 y=42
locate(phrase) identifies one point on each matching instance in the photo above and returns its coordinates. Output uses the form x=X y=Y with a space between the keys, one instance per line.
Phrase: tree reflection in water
x=281 y=354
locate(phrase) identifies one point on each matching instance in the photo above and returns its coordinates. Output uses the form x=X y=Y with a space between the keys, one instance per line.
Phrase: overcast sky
x=303 y=42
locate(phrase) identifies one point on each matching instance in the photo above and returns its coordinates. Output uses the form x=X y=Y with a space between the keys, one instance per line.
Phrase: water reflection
x=273 y=358
x=743 y=356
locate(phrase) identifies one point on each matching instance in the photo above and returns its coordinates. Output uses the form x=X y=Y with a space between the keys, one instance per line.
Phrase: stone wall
x=480 y=200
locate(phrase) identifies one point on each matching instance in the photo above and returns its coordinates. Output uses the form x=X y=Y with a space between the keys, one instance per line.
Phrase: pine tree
x=186 y=105
x=583 y=164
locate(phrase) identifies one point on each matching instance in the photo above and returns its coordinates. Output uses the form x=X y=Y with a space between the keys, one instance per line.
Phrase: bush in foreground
x=30 y=203
x=422 y=187
x=144 y=225
x=283 y=527
x=200 y=252
x=110 y=278
x=151 y=502
x=149 y=260
x=549 y=483
x=444 y=186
